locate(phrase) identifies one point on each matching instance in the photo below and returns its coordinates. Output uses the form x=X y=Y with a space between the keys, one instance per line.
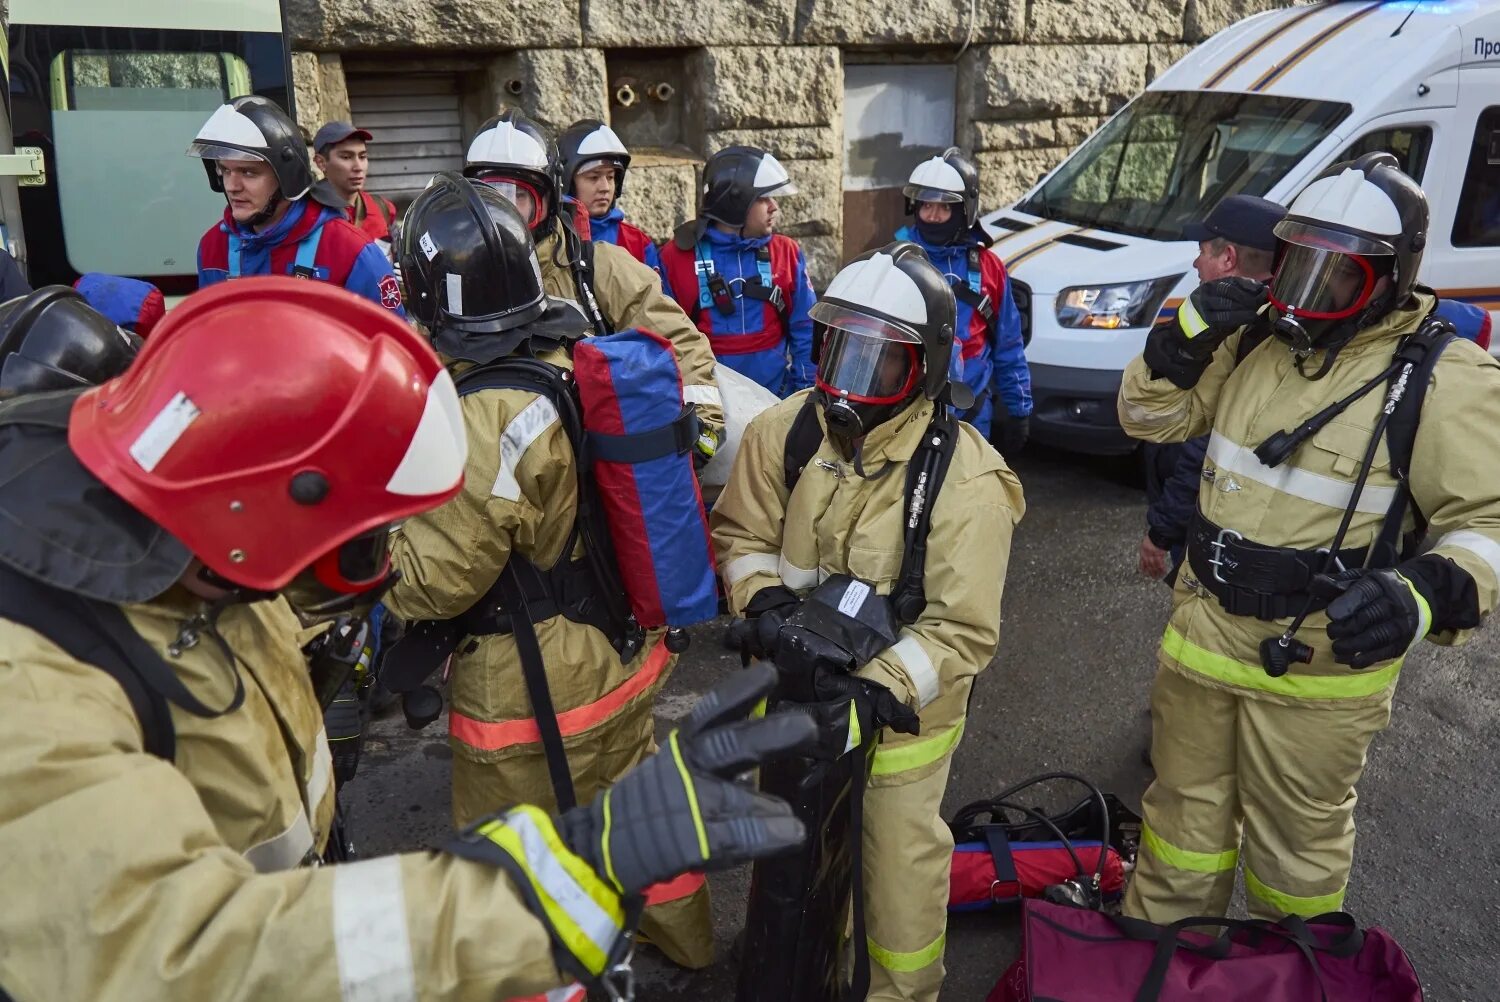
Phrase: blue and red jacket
x=992 y=355
x=310 y=241
x=613 y=229
x=769 y=343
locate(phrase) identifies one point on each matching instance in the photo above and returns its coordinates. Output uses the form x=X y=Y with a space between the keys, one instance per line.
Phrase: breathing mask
x=868 y=369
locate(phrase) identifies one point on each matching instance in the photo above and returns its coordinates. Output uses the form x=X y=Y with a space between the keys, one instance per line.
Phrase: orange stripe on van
x=492 y=735
x=1312 y=45
x=1269 y=37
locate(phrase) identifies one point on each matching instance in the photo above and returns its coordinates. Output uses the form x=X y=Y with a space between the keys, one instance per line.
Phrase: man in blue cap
x=1235 y=240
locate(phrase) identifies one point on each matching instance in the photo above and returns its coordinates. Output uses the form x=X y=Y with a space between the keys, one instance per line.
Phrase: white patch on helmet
x=601 y=141
x=876 y=284
x=438 y=449
x=228 y=127
x=1350 y=202
x=771 y=176
x=504 y=145
x=939 y=174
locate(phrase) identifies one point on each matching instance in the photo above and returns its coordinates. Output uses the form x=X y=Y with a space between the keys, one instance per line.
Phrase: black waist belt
x=1251 y=579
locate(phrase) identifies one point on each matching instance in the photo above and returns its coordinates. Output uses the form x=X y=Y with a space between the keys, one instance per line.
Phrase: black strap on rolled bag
x=794 y=944
x=677 y=438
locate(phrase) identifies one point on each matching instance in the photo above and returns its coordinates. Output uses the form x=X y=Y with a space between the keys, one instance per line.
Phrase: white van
x=1095 y=251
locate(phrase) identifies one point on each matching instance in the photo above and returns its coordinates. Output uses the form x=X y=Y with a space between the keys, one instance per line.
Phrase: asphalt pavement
x=1068 y=691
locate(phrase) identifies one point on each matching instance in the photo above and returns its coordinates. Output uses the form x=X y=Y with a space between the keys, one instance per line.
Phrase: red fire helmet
x=270 y=420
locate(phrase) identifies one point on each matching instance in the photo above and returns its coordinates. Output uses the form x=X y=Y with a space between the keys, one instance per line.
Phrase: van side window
x=1478 y=221
x=1409 y=143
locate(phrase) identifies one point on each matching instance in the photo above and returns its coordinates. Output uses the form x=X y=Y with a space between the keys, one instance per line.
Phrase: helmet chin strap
x=264 y=215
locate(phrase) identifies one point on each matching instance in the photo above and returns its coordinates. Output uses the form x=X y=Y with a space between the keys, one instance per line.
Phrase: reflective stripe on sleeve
x=906 y=963
x=924 y=677
x=1190 y=320
x=285 y=851
x=524 y=429
x=746 y=564
x=1231 y=457
x=797 y=578
x=322 y=772
x=369 y=932
x=583 y=913
x=675 y=889
x=1481 y=546
x=702 y=394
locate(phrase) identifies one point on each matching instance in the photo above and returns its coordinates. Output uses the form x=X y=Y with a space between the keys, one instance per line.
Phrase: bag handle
x=1168 y=939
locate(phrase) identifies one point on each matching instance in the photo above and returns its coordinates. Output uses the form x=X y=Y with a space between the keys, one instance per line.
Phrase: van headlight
x=1110 y=307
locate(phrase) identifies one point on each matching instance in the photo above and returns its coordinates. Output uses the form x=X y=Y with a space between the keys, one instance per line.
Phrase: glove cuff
x=1450 y=591
x=584 y=915
x=769 y=599
x=1166 y=357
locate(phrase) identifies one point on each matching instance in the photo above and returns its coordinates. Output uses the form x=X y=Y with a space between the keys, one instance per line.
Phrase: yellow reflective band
x=1424 y=611
x=855 y=738
x=1190 y=320
x=579 y=908
x=1225 y=669
x=1186 y=859
x=609 y=858
x=1291 y=904
x=692 y=794
x=891 y=760
x=905 y=963
x=760 y=709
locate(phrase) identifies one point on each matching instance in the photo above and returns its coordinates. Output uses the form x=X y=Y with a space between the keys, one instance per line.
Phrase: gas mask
x=351 y=577
x=1324 y=289
x=868 y=370
x=527 y=199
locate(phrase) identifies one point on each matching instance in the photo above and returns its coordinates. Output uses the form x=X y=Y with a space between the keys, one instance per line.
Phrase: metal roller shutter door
x=415 y=121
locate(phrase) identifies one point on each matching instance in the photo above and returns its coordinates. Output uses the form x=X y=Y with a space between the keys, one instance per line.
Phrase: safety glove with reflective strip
x=678 y=811
x=1377 y=615
x=1181 y=351
x=870 y=703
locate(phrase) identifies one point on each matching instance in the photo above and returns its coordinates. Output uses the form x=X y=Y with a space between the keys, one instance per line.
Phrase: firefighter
x=52 y=339
x=277 y=221
x=511 y=540
x=744 y=284
x=164 y=768
x=882 y=390
x=1303 y=589
x=592 y=162
x=617 y=292
x=942 y=199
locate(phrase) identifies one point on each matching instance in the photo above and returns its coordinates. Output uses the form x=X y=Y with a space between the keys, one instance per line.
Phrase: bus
x=104 y=98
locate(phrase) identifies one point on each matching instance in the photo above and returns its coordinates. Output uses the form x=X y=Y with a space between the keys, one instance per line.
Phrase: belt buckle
x=1216 y=561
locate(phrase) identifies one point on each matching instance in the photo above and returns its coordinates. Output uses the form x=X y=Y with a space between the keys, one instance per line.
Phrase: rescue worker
x=512 y=540
x=942 y=199
x=277 y=222
x=887 y=328
x=592 y=162
x=1236 y=238
x=52 y=339
x=160 y=529
x=1303 y=593
x=742 y=283
x=616 y=292
x=340 y=153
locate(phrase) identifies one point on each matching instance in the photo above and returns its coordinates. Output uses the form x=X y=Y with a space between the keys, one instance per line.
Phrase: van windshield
x=1169 y=157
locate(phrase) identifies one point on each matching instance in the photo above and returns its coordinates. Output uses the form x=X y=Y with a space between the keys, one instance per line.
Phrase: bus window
x=1408 y=143
x=121 y=122
x=1477 y=223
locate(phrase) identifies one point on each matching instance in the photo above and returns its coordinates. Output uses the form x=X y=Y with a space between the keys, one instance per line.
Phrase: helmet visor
x=776 y=190
x=217 y=151
x=1306 y=234
x=922 y=193
x=1321 y=284
x=525 y=197
x=866 y=359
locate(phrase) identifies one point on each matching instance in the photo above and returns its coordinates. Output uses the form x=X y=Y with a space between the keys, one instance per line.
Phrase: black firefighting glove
x=755 y=635
x=680 y=810
x=1010 y=433
x=1375 y=615
x=872 y=702
x=1181 y=351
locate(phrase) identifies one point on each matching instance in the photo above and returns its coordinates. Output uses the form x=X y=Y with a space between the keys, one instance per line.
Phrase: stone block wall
x=1035 y=77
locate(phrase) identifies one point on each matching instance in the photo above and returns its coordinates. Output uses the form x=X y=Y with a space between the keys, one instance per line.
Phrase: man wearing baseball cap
x=1235 y=240
x=340 y=153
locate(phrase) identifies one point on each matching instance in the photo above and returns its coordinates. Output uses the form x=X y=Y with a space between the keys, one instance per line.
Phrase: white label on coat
x=524 y=429
x=455 y=294
x=428 y=247
x=164 y=431
x=370 y=937
x=854 y=597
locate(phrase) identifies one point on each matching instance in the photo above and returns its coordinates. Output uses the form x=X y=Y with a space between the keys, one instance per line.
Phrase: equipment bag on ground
x=1078 y=955
x=640 y=442
x=1005 y=850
